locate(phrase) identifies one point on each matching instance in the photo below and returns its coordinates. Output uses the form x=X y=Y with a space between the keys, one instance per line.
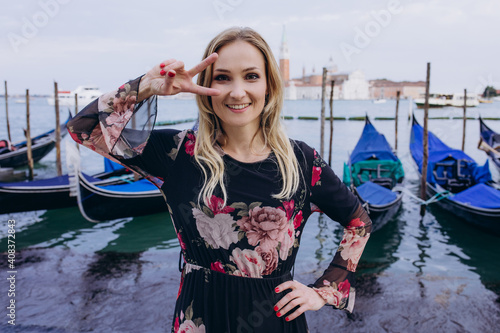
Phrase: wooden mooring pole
x=423 y=183
x=76 y=103
x=331 y=124
x=465 y=119
x=58 y=132
x=398 y=93
x=323 y=96
x=28 y=136
x=7 y=111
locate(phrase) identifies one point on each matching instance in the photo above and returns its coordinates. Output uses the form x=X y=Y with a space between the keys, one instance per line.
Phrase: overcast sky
x=109 y=42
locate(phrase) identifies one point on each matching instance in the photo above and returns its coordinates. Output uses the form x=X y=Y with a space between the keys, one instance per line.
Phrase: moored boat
x=435 y=101
x=457 y=100
x=102 y=203
x=373 y=173
x=86 y=94
x=16 y=154
x=51 y=193
x=489 y=142
x=469 y=190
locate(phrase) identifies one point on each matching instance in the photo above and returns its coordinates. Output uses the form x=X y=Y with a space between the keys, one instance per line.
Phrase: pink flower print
x=190 y=327
x=330 y=295
x=297 y=221
x=216 y=205
x=217 y=231
x=287 y=241
x=265 y=226
x=289 y=207
x=217 y=266
x=181 y=242
x=249 y=262
x=119 y=119
x=74 y=136
x=352 y=248
x=124 y=103
x=270 y=258
x=176 y=325
x=355 y=223
x=190 y=142
x=315 y=175
x=179 y=292
x=315 y=209
x=344 y=288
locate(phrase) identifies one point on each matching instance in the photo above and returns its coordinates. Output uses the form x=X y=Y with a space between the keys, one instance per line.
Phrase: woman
x=238 y=190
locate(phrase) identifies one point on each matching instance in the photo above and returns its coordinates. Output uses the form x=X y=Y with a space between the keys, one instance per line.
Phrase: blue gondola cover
x=479 y=195
x=372 y=144
x=376 y=194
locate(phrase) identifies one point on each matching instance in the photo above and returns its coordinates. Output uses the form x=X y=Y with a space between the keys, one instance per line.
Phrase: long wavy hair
x=206 y=153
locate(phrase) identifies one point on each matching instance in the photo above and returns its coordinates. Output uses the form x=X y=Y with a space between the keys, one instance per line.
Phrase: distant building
x=284 y=58
x=348 y=85
x=351 y=85
x=388 y=89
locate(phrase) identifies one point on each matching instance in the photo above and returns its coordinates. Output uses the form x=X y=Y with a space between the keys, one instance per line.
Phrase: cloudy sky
x=108 y=42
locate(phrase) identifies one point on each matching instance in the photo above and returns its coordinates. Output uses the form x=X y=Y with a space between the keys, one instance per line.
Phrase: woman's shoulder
x=172 y=133
x=302 y=149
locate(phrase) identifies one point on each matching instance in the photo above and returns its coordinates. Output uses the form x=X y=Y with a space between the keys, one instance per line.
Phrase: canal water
x=434 y=273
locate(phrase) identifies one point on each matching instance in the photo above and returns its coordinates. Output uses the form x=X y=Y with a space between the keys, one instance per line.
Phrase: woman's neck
x=244 y=144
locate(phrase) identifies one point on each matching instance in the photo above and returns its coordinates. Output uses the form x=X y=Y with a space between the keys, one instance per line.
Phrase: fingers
x=301 y=298
x=199 y=90
x=164 y=65
x=204 y=64
x=176 y=65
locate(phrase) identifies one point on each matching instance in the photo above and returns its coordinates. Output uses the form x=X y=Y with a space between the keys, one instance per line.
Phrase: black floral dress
x=235 y=255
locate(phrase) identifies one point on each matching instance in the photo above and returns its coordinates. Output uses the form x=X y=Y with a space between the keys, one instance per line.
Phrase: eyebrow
x=228 y=71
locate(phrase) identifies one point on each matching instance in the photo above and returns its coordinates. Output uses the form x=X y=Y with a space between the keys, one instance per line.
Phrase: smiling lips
x=238 y=107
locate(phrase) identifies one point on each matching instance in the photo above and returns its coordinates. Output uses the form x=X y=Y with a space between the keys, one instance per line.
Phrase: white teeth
x=237 y=106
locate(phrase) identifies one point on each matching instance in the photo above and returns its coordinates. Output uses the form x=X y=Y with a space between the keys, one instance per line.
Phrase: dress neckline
x=250 y=163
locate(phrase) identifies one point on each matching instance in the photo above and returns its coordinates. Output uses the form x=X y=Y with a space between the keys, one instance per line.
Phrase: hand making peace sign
x=170 y=78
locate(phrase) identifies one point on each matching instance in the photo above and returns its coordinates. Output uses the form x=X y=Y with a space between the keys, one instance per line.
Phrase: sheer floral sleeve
x=119 y=128
x=332 y=197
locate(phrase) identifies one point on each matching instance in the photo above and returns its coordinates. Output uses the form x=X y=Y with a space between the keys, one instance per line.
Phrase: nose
x=237 y=90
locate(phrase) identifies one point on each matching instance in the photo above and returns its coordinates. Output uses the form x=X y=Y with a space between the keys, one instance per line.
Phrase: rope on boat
x=435 y=198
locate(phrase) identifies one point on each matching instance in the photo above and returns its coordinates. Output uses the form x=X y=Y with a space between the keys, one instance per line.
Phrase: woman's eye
x=221 y=78
x=252 y=76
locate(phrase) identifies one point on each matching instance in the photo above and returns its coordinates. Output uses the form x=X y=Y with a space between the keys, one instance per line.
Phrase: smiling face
x=240 y=75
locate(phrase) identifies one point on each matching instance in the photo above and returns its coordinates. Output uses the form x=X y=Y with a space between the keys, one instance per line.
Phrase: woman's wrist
x=144 y=89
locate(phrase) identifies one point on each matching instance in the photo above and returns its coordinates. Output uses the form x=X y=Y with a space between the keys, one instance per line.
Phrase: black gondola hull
x=14 y=198
x=12 y=201
x=20 y=158
x=381 y=214
x=98 y=204
x=486 y=219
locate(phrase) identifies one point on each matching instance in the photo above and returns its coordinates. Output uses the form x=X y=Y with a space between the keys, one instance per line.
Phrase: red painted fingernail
x=275 y=308
x=278 y=314
x=162 y=72
x=171 y=74
x=162 y=65
x=287 y=319
x=277 y=290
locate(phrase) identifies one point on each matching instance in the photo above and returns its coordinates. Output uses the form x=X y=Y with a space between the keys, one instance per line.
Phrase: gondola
x=472 y=195
x=373 y=173
x=51 y=193
x=103 y=203
x=16 y=155
x=489 y=142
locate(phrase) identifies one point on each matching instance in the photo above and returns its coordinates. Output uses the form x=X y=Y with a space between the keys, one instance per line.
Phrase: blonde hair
x=205 y=152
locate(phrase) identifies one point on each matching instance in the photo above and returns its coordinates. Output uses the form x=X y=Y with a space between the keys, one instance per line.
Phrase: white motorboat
x=435 y=101
x=86 y=94
x=379 y=101
x=457 y=100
